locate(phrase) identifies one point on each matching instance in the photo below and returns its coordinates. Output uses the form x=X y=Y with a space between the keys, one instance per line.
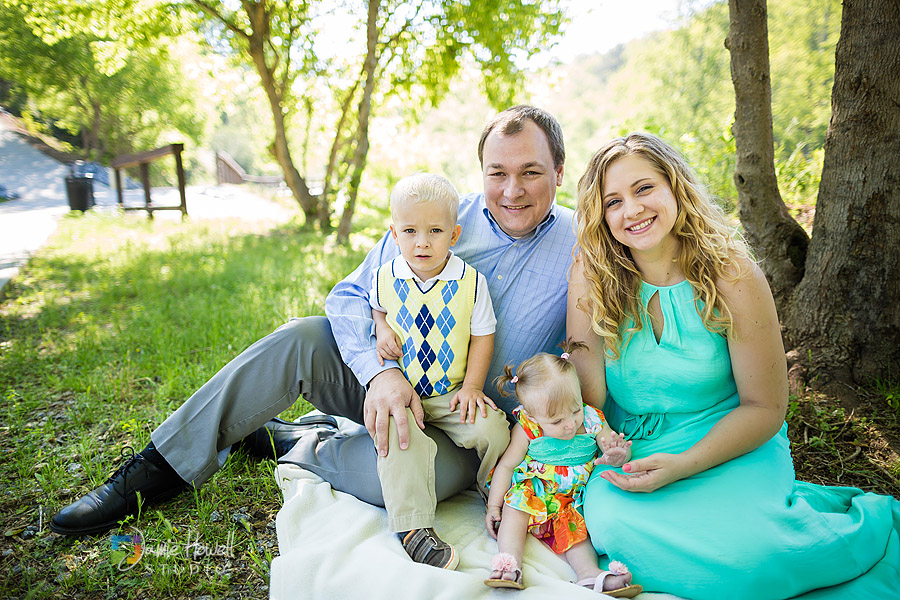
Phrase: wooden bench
x=143 y=160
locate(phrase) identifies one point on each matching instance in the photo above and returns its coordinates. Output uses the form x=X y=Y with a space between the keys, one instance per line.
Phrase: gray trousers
x=298 y=358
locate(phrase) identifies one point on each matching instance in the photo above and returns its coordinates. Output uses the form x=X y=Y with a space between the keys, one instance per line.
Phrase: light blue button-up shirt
x=527 y=278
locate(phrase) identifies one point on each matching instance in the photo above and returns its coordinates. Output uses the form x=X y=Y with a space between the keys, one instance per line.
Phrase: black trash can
x=80 y=190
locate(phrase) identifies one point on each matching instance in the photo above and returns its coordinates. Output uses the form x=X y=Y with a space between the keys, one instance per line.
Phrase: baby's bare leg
x=583 y=560
x=511 y=537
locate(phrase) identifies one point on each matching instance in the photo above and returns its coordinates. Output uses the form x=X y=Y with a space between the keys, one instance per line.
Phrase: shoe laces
x=131 y=461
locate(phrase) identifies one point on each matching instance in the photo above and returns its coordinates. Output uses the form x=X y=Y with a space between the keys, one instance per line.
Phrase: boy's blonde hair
x=546 y=383
x=425 y=187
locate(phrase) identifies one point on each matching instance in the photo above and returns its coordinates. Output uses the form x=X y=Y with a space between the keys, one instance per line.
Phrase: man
x=513 y=233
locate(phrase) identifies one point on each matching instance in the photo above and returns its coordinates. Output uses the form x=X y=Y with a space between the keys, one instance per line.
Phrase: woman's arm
x=502 y=477
x=589 y=365
x=760 y=372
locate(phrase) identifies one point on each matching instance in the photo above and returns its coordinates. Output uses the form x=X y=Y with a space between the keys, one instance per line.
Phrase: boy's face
x=424 y=231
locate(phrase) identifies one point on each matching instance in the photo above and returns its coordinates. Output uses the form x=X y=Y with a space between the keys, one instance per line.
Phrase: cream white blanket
x=334 y=546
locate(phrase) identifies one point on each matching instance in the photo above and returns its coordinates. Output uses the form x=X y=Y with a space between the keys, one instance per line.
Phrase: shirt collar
x=452 y=271
x=543 y=225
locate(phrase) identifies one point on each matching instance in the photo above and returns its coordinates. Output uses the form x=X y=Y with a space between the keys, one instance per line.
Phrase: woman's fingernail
x=626 y=468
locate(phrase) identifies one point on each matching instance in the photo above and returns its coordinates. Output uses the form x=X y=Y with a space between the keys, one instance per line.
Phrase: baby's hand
x=469 y=400
x=387 y=344
x=616 y=451
x=492 y=520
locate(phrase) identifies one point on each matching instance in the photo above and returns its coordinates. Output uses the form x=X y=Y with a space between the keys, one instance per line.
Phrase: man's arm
x=350 y=315
x=388 y=392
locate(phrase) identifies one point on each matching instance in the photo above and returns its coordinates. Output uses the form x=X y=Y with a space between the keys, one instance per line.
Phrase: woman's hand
x=492 y=520
x=647 y=474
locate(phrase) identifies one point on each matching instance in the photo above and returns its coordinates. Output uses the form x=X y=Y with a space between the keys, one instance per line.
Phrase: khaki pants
x=407 y=476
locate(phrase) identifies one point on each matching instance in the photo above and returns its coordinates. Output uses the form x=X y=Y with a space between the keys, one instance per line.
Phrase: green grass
x=102 y=336
x=119 y=319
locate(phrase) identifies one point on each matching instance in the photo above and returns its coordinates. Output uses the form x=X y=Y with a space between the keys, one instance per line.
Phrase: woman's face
x=638 y=205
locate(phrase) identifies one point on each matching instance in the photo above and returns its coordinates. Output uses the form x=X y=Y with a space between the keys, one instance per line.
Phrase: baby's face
x=424 y=231
x=565 y=425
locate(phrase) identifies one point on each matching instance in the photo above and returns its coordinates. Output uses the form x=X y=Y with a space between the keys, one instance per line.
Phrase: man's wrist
x=388 y=366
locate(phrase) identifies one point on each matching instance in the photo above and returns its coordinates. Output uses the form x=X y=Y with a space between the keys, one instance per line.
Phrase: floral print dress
x=552 y=493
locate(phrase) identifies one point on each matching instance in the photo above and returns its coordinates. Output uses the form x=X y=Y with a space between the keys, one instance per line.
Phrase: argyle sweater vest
x=434 y=327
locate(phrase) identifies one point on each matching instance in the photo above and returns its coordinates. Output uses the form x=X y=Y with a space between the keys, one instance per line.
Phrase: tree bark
x=365 y=106
x=846 y=311
x=776 y=238
x=257 y=41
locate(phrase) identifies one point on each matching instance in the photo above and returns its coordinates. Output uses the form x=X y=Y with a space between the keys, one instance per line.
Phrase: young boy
x=433 y=314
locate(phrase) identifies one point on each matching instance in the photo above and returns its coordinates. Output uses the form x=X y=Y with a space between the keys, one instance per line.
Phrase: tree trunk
x=336 y=146
x=846 y=311
x=362 y=144
x=257 y=41
x=776 y=238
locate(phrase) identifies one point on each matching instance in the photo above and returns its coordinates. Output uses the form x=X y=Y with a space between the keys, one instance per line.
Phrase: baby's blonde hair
x=546 y=384
x=425 y=187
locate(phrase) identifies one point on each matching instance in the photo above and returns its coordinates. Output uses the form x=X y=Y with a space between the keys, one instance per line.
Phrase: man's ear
x=394 y=235
x=559 y=175
x=455 y=237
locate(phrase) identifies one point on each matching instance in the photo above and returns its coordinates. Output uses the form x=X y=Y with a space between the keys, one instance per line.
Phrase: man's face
x=520 y=180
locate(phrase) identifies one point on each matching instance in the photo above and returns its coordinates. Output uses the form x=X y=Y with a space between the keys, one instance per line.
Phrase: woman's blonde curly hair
x=710 y=249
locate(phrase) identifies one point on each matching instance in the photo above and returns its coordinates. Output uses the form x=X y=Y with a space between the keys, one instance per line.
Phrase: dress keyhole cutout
x=656 y=316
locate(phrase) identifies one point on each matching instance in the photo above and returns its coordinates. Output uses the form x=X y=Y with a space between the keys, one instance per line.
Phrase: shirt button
x=499 y=276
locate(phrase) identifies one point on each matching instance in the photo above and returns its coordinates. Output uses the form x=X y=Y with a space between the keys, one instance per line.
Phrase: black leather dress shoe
x=275 y=438
x=103 y=508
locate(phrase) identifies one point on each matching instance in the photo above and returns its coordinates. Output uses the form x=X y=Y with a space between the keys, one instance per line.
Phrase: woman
x=687 y=361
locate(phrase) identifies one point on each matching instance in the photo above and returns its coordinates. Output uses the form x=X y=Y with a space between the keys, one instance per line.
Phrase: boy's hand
x=492 y=520
x=388 y=346
x=616 y=451
x=469 y=399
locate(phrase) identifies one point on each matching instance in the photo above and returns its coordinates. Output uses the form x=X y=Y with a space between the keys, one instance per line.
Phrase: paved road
x=27 y=222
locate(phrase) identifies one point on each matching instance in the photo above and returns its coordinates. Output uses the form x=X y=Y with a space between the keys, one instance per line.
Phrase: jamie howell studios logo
x=125 y=551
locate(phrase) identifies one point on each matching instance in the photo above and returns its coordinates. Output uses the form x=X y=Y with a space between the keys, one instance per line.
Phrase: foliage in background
x=108 y=71
x=437 y=82
x=678 y=84
x=405 y=50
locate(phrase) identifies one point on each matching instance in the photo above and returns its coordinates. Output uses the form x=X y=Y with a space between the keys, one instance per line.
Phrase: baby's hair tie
x=564 y=356
x=514 y=379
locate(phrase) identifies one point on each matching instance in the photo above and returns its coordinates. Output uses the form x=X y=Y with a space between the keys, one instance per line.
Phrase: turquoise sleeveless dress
x=743 y=529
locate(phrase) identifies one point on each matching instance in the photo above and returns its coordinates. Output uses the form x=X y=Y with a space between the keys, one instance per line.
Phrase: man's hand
x=388 y=396
x=469 y=400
